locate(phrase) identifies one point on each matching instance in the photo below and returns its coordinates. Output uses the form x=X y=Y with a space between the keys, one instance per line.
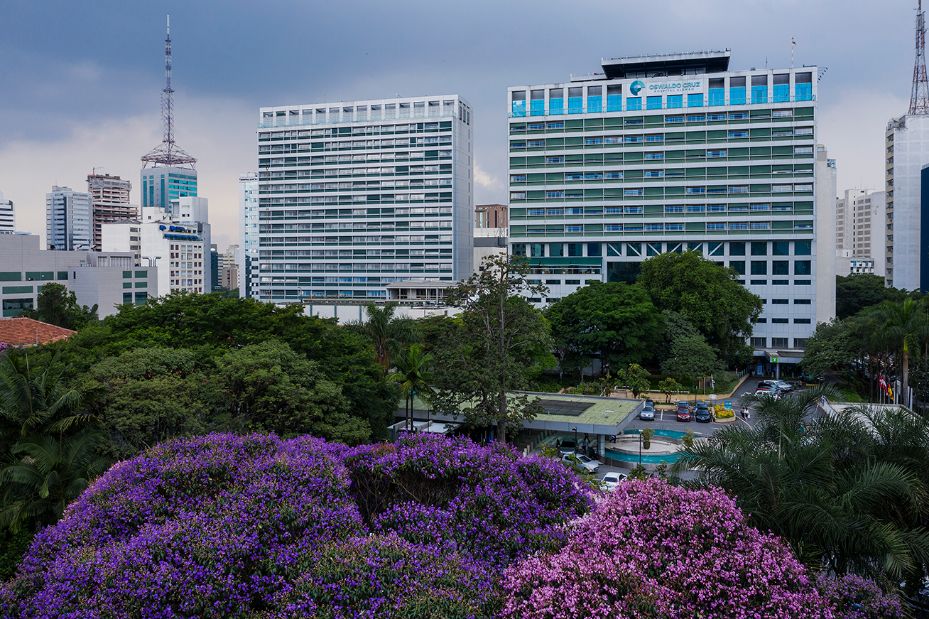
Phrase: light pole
x=640 y=447
x=575 y=440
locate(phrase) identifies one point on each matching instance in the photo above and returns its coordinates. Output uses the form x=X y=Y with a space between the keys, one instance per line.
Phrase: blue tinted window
x=803 y=92
x=556 y=106
x=737 y=96
x=802 y=248
x=717 y=96
x=537 y=107
x=594 y=104
x=575 y=105
x=653 y=103
x=759 y=94
x=675 y=101
x=781 y=93
x=695 y=100
x=519 y=108
x=614 y=103
x=634 y=103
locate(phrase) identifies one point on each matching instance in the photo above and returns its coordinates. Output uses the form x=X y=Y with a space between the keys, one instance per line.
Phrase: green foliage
x=833 y=346
x=615 y=322
x=862 y=290
x=387 y=333
x=688 y=440
x=669 y=387
x=638 y=472
x=502 y=345
x=647 y=435
x=707 y=295
x=414 y=375
x=58 y=306
x=690 y=358
x=635 y=378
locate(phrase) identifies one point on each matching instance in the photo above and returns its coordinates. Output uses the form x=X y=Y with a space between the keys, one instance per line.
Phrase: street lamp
x=640 y=447
x=575 y=440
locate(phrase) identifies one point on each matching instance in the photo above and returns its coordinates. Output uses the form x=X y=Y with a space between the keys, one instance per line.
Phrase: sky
x=80 y=81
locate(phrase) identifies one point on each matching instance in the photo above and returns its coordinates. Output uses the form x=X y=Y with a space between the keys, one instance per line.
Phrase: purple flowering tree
x=855 y=597
x=655 y=550
x=255 y=526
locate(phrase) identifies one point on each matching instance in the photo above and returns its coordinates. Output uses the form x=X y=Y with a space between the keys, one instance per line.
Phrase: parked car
x=647 y=413
x=588 y=464
x=567 y=447
x=683 y=411
x=611 y=481
x=703 y=413
x=650 y=403
x=767 y=392
x=783 y=386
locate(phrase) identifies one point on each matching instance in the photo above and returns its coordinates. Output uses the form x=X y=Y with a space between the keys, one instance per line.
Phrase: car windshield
x=583 y=458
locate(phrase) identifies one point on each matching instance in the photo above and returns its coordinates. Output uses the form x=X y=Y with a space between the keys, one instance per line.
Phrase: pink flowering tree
x=655 y=550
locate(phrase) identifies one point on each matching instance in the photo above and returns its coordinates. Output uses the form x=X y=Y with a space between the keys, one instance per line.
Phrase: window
x=802 y=267
x=800 y=342
x=802 y=321
x=712 y=227
x=803 y=302
x=634 y=103
x=737 y=248
x=738 y=134
x=779 y=301
x=593 y=249
x=695 y=100
x=716 y=154
x=759 y=342
x=780 y=321
x=759 y=267
x=780 y=267
x=653 y=103
x=802 y=248
x=738 y=266
x=778 y=342
x=574 y=228
x=780 y=248
x=675 y=102
x=759 y=248
x=654 y=156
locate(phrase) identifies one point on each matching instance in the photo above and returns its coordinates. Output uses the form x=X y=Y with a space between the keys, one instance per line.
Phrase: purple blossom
x=855 y=597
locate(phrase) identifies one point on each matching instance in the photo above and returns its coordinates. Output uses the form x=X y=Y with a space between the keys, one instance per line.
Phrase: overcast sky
x=80 y=81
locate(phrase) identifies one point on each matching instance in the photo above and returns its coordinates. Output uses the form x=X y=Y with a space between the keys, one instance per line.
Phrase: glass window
x=759 y=267
x=802 y=248
x=614 y=98
x=780 y=267
x=675 y=102
x=737 y=248
x=803 y=86
x=556 y=249
x=594 y=99
x=695 y=100
x=738 y=266
x=653 y=103
x=759 y=89
x=518 y=103
x=593 y=249
x=759 y=248
x=634 y=103
x=575 y=100
x=802 y=267
x=780 y=248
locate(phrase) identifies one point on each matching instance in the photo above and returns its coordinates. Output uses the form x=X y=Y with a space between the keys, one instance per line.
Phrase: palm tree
x=833 y=488
x=387 y=333
x=905 y=328
x=48 y=473
x=414 y=374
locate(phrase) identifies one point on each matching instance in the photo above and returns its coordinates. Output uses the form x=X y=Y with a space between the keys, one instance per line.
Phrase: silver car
x=647 y=414
x=588 y=464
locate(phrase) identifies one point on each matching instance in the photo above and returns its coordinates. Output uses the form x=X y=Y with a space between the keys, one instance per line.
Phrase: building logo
x=636 y=87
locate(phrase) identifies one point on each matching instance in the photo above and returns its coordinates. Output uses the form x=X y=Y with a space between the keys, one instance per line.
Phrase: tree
x=615 y=322
x=386 y=332
x=858 y=291
x=635 y=378
x=668 y=387
x=647 y=435
x=834 y=346
x=58 y=306
x=504 y=342
x=708 y=295
x=905 y=326
x=414 y=375
x=690 y=358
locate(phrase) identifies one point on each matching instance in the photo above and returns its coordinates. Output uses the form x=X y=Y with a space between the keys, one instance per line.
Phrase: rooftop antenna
x=168 y=153
x=919 y=97
x=793 y=48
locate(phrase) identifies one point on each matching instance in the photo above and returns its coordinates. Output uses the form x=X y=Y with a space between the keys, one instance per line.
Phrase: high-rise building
x=357 y=195
x=907 y=151
x=175 y=241
x=248 y=223
x=7 y=215
x=68 y=219
x=229 y=268
x=490 y=216
x=861 y=231
x=110 y=196
x=163 y=185
x=675 y=153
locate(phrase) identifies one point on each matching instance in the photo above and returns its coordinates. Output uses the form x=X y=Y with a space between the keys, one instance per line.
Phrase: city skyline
x=112 y=84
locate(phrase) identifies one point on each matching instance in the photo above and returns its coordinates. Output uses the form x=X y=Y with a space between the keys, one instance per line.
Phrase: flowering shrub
x=655 y=550
x=230 y=526
x=855 y=597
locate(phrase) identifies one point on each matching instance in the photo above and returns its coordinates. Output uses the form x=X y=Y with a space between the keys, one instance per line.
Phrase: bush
x=256 y=526
x=855 y=597
x=655 y=550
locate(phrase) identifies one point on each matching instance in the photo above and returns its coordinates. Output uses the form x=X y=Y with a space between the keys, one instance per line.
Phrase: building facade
x=490 y=216
x=356 y=195
x=110 y=198
x=175 y=241
x=229 y=268
x=907 y=151
x=162 y=185
x=106 y=280
x=248 y=226
x=7 y=216
x=68 y=219
x=669 y=154
x=861 y=231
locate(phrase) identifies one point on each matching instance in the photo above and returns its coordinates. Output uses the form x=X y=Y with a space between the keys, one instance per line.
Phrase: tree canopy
x=858 y=291
x=57 y=305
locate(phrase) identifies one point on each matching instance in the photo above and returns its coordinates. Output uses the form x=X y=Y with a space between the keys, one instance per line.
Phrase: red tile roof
x=29 y=332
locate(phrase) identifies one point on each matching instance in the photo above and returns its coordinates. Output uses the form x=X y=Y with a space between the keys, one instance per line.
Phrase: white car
x=611 y=481
x=783 y=385
x=767 y=393
x=588 y=464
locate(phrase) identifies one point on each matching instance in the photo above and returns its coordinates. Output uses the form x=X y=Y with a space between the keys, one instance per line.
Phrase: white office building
x=68 y=219
x=106 y=280
x=907 y=151
x=357 y=195
x=248 y=225
x=175 y=240
x=7 y=215
x=861 y=230
x=676 y=153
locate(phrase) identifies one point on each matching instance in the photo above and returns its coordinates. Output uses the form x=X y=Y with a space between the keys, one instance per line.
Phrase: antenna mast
x=168 y=153
x=919 y=98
